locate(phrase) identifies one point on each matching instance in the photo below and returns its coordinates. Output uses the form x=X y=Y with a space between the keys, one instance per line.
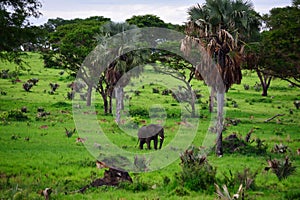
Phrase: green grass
x=50 y=159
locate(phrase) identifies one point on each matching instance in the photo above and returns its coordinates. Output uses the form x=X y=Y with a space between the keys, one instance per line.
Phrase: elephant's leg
x=155 y=142
x=148 y=141
x=142 y=142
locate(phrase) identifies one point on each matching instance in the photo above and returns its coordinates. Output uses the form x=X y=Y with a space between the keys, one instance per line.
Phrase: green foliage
x=197 y=174
x=15 y=27
x=139 y=111
x=260 y=100
x=235 y=144
x=74 y=40
x=180 y=191
x=245 y=177
x=280 y=45
x=143 y=21
x=13 y=115
x=292 y=194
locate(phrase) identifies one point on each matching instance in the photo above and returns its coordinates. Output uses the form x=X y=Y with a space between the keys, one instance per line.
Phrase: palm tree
x=221 y=27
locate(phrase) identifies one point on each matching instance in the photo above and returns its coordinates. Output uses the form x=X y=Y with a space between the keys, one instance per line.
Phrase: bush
x=279 y=148
x=142 y=112
x=245 y=177
x=27 y=86
x=4 y=74
x=292 y=194
x=197 y=174
x=235 y=144
x=281 y=168
x=15 y=115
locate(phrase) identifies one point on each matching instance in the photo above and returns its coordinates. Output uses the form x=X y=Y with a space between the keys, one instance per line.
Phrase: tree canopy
x=143 y=21
x=71 y=41
x=282 y=41
x=15 y=26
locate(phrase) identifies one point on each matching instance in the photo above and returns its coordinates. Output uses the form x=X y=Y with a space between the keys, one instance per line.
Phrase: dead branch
x=247 y=138
x=267 y=120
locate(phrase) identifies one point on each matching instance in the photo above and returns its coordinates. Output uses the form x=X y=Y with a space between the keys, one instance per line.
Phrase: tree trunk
x=103 y=94
x=265 y=81
x=219 y=125
x=110 y=96
x=122 y=98
x=211 y=99
x=119 y=99
x=89 y=95
x=265 y=91
x=105 y=104
x=193 y=113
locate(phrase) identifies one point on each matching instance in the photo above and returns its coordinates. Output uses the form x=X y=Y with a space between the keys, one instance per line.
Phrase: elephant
x=151 y=132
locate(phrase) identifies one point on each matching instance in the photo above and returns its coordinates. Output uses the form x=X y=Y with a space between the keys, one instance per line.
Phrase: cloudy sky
x=173 y=11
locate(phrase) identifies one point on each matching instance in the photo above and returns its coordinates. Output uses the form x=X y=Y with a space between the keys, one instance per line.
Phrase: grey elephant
x=151 y=132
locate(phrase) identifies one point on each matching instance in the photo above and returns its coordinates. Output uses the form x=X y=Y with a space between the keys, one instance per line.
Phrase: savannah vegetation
x=255 y=156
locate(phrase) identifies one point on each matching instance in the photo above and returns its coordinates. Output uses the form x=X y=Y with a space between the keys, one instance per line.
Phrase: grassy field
x=35 y=152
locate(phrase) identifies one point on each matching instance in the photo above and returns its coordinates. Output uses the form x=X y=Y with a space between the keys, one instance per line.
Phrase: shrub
x=4 y=74
x=281 y=168
x=225 y=195
x=246 y=87
x=279 y=148
x=27 y=86
x=292 y=194
x=180 y=191
x=235 y=144
x=15 y=115
x=53 y=87
x=197 y=174
x=139 y=111
x=245 y=177
x=34 y=81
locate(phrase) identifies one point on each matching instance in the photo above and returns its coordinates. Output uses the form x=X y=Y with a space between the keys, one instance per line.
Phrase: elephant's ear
x=154 y=129
x=143 y=132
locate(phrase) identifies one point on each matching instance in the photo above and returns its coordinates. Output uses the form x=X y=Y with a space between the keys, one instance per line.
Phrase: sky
x=170 y=11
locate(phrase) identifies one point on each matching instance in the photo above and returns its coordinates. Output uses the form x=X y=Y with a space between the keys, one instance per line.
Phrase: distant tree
x=143 y=21
x=257 y=57
x=282 y=43
x=15 y=26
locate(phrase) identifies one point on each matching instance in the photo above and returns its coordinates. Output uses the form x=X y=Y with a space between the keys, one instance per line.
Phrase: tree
x=143 y=21
x=221 y=27
x=15 y=26
x=282 y=43
x=256 y=58
x=72 y=41
x=177 y=67
x=124 y=62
